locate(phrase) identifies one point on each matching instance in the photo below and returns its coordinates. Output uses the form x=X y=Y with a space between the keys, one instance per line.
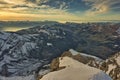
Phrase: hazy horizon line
x=63 y=21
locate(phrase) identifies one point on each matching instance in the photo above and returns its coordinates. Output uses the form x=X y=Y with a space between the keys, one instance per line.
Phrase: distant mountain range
x=27 y=51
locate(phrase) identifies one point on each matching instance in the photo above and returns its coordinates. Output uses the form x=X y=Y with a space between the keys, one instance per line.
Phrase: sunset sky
x=60 y=10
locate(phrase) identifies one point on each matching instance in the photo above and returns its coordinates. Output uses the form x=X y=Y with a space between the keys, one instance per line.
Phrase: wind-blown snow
x=75 y=70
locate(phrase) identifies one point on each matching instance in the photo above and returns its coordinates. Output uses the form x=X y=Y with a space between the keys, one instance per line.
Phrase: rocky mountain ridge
x=110 y=66
x=71 y=69
x=27 y=51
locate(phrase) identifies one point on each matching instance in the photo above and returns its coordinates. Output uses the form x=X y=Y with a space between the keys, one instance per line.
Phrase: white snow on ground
x=75 y=71
x=83 y=54
x=49 y=44
x=31 y=77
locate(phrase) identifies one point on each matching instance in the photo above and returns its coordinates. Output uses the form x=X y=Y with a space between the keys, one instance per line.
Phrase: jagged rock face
x=112 y=66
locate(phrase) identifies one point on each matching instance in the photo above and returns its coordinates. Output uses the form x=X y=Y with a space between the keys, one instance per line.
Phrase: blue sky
x=60 y=10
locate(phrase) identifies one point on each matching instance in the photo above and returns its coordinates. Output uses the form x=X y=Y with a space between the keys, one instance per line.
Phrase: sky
x=60 y=10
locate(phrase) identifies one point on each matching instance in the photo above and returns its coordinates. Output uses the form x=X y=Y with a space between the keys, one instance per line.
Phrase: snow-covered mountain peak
x=75 y=70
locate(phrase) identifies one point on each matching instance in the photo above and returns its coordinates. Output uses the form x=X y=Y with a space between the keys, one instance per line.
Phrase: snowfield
x=75 y=70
